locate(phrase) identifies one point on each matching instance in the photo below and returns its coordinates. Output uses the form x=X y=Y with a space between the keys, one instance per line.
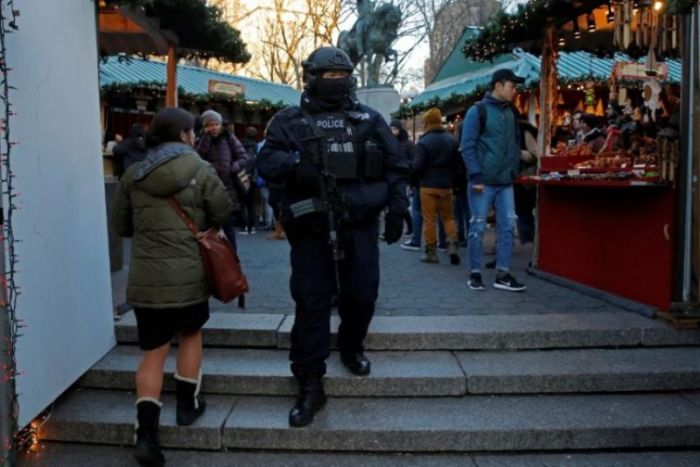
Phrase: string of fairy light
x=8 y=24
x=506 y=30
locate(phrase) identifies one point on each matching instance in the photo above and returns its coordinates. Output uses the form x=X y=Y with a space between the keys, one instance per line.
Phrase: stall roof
x=193 y=80
x=570 y=66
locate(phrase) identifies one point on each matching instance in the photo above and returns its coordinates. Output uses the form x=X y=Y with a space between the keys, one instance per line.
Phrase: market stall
x=607 y=212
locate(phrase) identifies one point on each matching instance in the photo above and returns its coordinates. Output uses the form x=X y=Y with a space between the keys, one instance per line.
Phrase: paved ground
x=408 y=287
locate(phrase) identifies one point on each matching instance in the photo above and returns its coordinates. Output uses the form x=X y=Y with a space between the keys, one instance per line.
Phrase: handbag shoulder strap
x=181 y=214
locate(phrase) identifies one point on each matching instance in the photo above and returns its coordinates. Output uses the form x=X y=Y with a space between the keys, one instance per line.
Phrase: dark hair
x=167 y=125
x=251 y=132
x=591 y=120
x=494 y=83
x=198 y=124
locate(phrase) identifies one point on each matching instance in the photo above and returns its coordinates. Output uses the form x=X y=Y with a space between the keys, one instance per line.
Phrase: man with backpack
x=491 y=150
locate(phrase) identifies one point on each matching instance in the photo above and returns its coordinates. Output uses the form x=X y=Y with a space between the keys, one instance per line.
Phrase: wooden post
x=548 y=83
x=171 y=93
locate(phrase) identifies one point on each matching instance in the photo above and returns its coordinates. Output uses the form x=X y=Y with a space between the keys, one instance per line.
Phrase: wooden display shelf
x=591 y=183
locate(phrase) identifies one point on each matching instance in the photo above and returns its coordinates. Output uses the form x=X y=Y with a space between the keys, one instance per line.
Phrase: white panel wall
x=66 y=299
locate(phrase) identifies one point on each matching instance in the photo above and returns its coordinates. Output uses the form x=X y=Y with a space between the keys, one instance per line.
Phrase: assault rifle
x=330 y=198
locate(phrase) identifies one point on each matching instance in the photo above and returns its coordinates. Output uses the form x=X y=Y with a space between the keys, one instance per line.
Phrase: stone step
x=222 y=330
x=107 y=417
x=82 y=455
x=431 y=373
x=492 y=332
x=467 y=424
x=265 y=371
x=582 y=370
x=476 y=423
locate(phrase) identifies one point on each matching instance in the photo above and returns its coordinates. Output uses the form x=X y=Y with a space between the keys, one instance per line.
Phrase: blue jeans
x=501 y=197
x=417 y=220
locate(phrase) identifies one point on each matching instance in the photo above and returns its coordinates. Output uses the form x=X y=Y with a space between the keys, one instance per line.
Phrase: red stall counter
x=616 y=236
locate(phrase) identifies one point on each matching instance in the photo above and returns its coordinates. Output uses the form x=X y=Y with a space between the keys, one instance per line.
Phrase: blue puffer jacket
x=492 y=155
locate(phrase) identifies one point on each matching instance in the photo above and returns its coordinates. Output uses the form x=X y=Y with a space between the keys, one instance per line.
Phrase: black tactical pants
x=312 y=285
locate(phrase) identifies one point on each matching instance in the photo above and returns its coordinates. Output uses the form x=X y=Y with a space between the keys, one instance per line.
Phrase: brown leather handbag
x=221 y=263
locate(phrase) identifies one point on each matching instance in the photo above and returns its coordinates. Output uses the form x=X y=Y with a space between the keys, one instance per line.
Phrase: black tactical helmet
x=325 y=59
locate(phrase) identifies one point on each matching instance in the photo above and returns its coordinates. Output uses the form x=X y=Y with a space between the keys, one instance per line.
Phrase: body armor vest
x=340 y=145
x=348 y=158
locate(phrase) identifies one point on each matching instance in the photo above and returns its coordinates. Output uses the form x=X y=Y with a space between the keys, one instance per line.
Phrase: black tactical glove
x=393 y=227
x=307 y=176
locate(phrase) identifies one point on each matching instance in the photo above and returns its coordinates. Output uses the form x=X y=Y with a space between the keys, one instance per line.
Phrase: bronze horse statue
x=369 y=41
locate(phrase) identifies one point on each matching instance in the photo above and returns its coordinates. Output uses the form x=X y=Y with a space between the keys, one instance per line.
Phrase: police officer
x=336 y=166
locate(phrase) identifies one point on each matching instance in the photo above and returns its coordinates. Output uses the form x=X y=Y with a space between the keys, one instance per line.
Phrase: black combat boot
x=190 y=404
x=147 y=449
x=357 y=363
x=311 y=399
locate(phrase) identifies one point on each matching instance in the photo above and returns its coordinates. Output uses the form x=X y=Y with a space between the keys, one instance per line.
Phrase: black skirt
x=158 y=326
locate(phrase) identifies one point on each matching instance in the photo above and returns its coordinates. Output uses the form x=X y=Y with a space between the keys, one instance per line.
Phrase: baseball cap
x=507 y=75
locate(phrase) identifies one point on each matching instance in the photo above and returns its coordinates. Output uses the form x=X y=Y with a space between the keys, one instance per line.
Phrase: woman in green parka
x=167 y=284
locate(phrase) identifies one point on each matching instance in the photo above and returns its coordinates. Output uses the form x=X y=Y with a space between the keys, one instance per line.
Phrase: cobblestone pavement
x=409 y=287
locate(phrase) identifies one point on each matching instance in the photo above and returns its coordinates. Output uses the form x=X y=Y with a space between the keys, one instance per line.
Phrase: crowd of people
x=326 y=170
x=457 y=179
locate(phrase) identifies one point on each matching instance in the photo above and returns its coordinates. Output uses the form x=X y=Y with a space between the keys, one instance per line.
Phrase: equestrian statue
x=368 y=42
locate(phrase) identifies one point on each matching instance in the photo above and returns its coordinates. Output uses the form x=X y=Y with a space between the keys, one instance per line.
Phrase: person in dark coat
x=592 y=135
x=526 y=196
x=435 y=164
x=408 y=149
x=249 y=197
x=228 y=156
x=130 y=150
x=331 y=139
x=167 y=284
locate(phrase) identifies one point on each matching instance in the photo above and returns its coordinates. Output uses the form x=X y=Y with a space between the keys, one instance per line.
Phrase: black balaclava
x=331 y=93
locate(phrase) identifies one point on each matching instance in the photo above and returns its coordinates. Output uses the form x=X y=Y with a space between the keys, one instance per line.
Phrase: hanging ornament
x=622 y=97
x=626 y=24
x=651 y=93
x=663 y=31
x=674 y=32
x=599 y=109
x=590 y=20
x=639 y=27
x=651 y=67
x=590 y=96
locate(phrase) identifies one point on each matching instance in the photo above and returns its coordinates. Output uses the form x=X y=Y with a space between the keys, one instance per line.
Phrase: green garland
x=158 y=88
x=525 y=28
x=200 y=27
x=504 y=31
x=464 y=101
